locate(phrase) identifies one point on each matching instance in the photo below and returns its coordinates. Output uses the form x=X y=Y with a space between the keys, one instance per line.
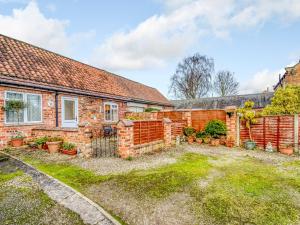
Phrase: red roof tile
x=25 y=62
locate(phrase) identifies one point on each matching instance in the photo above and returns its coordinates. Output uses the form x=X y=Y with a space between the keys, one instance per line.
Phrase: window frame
x=104 y=111
x=24 y=95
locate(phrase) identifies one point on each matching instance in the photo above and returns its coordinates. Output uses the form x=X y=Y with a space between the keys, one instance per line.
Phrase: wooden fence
x=147 y=131
x=172 y=115
x=201 y=117
x=279 y=130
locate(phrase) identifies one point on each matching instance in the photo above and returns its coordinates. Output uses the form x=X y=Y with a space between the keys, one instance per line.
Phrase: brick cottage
x=64 y=97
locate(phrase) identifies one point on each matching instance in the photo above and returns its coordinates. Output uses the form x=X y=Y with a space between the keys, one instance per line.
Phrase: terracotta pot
x=286 y=150
x=190 y=140
x=69 y=152
x=53 y=147
x=215 y=142
x=17 y=142
x=222 y=140
x=45 y=146
x=199 y=140
x=229 y=144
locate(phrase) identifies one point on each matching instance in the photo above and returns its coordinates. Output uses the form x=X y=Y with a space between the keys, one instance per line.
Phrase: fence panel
x=172 y=115
x=201 y=117
x=278 y=130
x=147 y=131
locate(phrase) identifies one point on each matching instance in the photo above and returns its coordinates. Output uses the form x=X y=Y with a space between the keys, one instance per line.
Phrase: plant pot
x=69 y=152
x=18 y=142
x=32 y=144
x=206 y=140
x=223 y=140
x=199 y=140
x=286 y=150
x=215 y=142
x=229 y=144
x=249 y=145
x=190 y=140
x=53 y=147
x=45 y=146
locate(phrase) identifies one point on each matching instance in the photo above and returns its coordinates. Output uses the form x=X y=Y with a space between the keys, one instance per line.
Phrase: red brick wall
x=201 y=117
x=89 y=110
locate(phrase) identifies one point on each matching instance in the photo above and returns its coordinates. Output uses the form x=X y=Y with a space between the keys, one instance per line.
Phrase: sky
x=144 y=40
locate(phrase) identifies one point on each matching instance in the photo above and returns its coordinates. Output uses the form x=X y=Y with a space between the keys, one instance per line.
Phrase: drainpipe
x=56 y=109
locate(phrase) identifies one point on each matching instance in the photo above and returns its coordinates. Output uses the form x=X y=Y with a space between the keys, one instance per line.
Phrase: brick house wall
x=291 y=76
x=90 y=113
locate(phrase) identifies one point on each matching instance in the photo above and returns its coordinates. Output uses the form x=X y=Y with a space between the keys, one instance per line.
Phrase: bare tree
x=192 y=78
x=225 y=84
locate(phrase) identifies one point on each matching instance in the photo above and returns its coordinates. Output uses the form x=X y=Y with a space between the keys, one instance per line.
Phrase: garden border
x=89 y=211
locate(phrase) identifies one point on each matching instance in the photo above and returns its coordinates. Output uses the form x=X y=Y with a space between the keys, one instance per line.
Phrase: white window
x=110 y=112
x=32 y=113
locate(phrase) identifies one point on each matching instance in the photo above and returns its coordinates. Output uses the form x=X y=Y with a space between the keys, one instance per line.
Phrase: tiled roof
x=260 y=101
x=30 y=64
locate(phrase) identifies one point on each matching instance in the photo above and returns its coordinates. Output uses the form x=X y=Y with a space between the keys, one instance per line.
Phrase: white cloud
x=30 y=25
x=164 y=37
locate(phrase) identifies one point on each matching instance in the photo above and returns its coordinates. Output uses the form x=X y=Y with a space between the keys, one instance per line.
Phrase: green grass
x=250 y=192
x=162 y=181
x=4 y=177
x=72 y=175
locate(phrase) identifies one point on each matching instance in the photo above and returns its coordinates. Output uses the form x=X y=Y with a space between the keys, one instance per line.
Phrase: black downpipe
x=56 y=109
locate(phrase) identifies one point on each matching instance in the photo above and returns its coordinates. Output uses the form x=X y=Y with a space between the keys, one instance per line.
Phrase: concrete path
x=90 y=212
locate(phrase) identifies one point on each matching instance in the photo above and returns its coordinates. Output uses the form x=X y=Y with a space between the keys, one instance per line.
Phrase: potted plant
x=41 y=142
x=230 y=141
x=53 y=144
x=189 y=132
x=222 y=140
x=287 y=149
x=206 y=138
x=199 y=137
x=215 y=128
x=69 y=148
x=17 y=140
x=248 y=115
x=14 y=106
x=31 y=143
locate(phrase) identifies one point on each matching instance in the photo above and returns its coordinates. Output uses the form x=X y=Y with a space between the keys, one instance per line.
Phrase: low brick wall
x=81 y=137
x=129 y=147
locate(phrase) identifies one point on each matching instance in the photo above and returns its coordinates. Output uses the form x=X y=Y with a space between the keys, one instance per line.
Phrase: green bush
x=68 y=146
x=151 y=110
x=215 y=128
x=189 y=131
x=201 y=134
x=41 y=140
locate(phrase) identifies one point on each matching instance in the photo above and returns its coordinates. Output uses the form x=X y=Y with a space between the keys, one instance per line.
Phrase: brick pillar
x=84 y=141
x=125 y=138
x=167 y=132
x=187 y=115
x=231 y=122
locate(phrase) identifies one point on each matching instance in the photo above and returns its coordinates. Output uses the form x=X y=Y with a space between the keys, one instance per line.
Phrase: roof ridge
x=66 y=57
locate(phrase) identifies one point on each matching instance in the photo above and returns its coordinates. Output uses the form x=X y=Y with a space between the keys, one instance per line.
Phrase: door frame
x=76 y=121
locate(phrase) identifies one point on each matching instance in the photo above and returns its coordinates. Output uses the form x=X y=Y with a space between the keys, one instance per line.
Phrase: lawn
x=23 y=202
x=201 y=186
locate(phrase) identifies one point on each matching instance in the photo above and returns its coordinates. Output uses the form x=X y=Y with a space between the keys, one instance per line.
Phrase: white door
x=69 y=112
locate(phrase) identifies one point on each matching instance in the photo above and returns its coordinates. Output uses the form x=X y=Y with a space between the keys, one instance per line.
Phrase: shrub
x=41 y=140
x=189 y=131
x=248 y=114
x=68 y=146
x=54 y=139
x=151 y=110
x=215 y=128
x=200 y=134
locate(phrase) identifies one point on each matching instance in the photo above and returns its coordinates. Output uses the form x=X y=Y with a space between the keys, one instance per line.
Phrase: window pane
x=69 y=110
x=12 y=116
x=114 y=114
x=107 y=112
x=34 y=108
